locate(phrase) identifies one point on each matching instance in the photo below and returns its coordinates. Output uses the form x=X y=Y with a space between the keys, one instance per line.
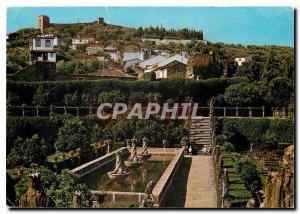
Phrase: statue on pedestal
x=148 y=197
x=34 y=197
x=145 y=146
x=118 y=174
x=76 y=202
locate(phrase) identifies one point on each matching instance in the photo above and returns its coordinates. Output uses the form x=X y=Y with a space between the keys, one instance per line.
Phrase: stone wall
x=93 y=165
x=163 y=188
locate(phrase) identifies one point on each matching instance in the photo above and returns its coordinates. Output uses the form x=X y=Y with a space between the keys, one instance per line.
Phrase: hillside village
x=98 y=50
x=67 y=85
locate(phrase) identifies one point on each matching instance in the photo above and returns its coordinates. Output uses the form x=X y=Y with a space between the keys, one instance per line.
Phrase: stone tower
x=100 y=21
x=43 y=22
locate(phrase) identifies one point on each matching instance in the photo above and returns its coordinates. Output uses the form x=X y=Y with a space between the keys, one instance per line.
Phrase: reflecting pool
x=136 y=182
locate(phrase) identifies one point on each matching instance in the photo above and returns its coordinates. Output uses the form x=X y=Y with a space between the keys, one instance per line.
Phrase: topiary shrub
x=249 y=174
x=220 y=139
x=229 y=147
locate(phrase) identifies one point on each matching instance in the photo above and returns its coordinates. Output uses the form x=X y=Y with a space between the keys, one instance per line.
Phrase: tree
x=57 y=186
x=249 y=174
x=251 y=70
x=47 y=178
x=243 y=94
x=41 y=96
x=63 y=188
x=72 y=135
x=30 y=150
x=279 y=92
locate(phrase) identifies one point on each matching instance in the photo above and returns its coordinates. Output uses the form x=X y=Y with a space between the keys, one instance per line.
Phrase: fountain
x=145 y=155
x=118 y=174
x=134 y=161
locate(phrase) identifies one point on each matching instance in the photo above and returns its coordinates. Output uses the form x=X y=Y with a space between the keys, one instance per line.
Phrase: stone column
x=284 y=112
x=23 y=110
x=250 y=112
x=37 y=110
x=77 y=111
x=237 y=111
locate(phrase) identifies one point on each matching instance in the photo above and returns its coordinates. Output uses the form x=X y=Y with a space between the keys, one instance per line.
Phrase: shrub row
x=60 y=133
x=238 y=193
x=55 y=92
x=241 y=132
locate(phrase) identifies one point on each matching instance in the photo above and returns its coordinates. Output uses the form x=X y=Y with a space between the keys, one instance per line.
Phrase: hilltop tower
x=43 y=22
x=100 y=21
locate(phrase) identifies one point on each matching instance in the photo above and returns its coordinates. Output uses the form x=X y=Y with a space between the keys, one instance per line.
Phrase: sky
x=237 y=25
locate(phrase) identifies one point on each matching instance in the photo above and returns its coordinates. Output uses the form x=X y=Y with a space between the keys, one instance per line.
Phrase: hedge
x=243 y=131
x=179 y=89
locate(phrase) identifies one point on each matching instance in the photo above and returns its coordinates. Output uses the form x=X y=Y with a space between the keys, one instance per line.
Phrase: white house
x=242 y=59
x=44 y=42
x=130 y=59
x=173 y=66
x=43 y=48
x=149 y=62
x=93 y=49
x=82 y=40
x=114 y=53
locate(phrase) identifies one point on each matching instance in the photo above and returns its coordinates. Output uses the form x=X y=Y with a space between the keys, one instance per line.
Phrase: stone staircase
x=199 y=134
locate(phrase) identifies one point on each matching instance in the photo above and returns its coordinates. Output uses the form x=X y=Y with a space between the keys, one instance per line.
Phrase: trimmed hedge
x=176 y=89
x=243 y=131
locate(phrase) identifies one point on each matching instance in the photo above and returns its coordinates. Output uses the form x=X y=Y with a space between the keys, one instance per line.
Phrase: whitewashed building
x=242 y=59
x=113 y=52
x=43 y=48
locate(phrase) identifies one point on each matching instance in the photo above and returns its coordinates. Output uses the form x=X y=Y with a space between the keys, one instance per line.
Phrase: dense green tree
x=279 y=92
x=249 y=174
x=59 y=187
x=251 y=70
x=26 y=151
x=72 y=135
x=84 y=66
x=243 y=94
x=63 y=188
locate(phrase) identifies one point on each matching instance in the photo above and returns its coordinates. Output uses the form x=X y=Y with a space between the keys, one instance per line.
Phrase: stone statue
x=164 y=142
x=128 y=143
x=184 y=141
x=133 y=155
x=145 y=146
x=34 y=197
x=118 y=174
x=262 y=203
x=76 y=202
x=225 y=183
x=119 y=164
x=251 y=203
x=219 y=166
x=148 y=197
x=225 y=189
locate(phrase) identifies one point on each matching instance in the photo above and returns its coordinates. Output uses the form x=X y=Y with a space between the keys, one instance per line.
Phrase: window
x=38 y=43
x=48 y=43
x=51 y=55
